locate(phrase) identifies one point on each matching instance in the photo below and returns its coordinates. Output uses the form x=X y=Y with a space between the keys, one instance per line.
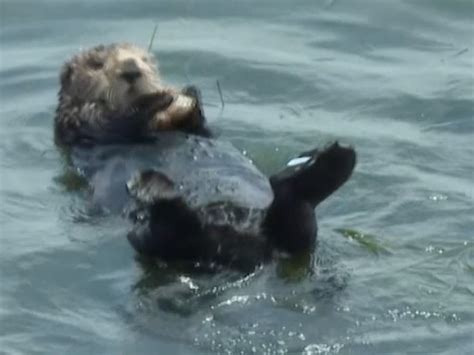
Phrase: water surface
x=394 y=79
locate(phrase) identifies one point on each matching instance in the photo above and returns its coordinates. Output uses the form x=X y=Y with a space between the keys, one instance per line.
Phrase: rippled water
x=395 y=79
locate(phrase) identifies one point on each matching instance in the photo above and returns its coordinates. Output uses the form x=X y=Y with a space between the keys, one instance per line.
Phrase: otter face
x=112 y=75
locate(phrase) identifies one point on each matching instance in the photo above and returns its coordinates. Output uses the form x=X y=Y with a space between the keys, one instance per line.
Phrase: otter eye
x=95 y=63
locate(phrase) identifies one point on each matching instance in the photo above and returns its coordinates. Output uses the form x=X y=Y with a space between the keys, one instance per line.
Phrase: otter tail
x=307 y=181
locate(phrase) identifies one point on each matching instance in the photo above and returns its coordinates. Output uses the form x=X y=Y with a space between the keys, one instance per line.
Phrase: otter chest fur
x=212 y=176
x=198 y=199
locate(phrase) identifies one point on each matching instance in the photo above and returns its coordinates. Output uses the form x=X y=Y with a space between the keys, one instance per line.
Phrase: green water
x=393 y=271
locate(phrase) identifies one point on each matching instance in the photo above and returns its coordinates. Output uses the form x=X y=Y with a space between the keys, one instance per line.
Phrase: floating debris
x=71 y=180
x=366 y=240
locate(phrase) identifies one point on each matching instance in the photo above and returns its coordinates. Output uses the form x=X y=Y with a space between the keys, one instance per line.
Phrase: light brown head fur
x=105 y=82
x=113 y=75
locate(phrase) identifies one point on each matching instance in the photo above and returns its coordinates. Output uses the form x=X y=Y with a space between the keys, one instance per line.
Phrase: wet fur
x=97 y=106
x=112 y=94
x=168 y=228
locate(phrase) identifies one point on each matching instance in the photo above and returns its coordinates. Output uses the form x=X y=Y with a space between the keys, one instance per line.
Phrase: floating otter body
x=194 y=198
x=200 y=200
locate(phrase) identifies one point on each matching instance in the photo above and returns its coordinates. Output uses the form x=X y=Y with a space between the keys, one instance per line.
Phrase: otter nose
x=130 y=77
x=130 y=71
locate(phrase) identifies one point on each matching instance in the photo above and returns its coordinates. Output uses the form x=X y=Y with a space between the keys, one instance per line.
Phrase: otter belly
x=206 y=172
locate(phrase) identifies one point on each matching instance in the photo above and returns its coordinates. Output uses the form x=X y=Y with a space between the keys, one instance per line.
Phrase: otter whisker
x=152 y=37
x=107 y=95
x=220 y=94
x=111 y=96
x=88 y=90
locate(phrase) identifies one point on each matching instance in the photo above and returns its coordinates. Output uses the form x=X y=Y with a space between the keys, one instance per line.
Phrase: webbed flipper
x=290 y=222
x=316 y=174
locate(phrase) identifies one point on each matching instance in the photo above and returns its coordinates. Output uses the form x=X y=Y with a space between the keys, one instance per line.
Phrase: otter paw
x=182 y=109
x=155 y=102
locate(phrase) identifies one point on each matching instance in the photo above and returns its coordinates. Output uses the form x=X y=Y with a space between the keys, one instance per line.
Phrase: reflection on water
x=393 y=270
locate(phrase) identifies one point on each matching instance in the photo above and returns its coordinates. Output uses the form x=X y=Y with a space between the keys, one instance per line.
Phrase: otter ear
x=66 y=74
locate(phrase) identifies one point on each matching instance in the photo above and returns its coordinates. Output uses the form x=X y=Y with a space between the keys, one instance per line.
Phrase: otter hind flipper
x=316 y=174
x=290 y=222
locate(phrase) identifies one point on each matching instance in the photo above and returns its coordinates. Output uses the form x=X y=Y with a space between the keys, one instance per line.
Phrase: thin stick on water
x=220 y=94
x=152 y=37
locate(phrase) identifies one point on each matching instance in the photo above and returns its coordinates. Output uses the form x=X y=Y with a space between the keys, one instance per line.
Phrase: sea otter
x=190 y=197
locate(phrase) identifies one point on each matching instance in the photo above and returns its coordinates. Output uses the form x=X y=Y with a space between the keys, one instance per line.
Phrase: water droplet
x=438 y=197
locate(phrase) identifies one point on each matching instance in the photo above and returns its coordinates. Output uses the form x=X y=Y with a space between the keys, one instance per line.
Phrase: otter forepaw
x=192 y=91
x=152 y=103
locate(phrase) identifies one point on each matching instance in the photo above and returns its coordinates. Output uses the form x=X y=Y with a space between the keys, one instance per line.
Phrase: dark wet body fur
x=207 y=203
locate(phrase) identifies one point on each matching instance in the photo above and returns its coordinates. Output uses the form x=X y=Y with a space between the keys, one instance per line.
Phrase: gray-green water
x=393 y=78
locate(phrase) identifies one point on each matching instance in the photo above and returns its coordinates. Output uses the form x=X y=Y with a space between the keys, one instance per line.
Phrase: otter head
x=113 y=76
